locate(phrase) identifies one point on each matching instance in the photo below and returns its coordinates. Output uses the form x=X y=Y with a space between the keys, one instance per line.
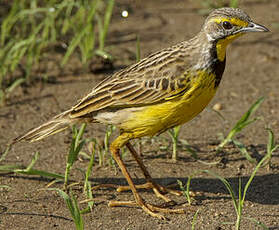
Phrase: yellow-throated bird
x=166 y=89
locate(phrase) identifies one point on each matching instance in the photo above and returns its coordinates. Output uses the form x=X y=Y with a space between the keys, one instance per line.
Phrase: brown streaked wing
x=149 y=81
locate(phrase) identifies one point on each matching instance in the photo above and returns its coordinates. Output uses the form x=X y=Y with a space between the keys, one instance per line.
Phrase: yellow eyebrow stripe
x=234 y=21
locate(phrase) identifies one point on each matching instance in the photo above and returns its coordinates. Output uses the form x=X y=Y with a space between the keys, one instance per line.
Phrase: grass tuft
x=30 y=29
x=72 y=205
x=75 y=148
x=239 y=203
x=186 y=192
x=243 y=122
x=29 y=170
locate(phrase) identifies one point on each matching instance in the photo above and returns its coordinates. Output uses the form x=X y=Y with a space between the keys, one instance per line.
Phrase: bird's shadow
x=264 y=189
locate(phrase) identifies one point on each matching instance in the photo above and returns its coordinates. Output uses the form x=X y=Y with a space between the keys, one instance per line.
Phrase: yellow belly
x=154 y=119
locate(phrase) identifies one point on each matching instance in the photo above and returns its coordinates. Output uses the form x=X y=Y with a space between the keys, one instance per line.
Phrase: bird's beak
x=253 y=27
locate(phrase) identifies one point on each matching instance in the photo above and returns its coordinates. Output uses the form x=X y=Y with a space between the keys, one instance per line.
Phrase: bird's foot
x=159 y=190
x=150 y=209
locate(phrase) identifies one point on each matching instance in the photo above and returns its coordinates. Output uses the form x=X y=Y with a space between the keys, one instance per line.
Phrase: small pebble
x=217 y=107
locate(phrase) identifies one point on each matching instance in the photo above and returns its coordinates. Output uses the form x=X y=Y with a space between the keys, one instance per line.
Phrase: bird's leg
x=150 y=184
x=148 y=208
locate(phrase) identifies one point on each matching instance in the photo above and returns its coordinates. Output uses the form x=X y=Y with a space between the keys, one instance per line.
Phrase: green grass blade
x=89 y=168
x=10 y=168
x=240 y=206
x=174 y=132
x=227 y=185
x=80 y=133
x=72 y=205
x=194 y=219
x=93 y=8
x=257 y=223
x=271 y=147
x=33 y=161
x=3 y=156
x=75 y=148
x=73 y=44
x=39 y=173
x=15 y=84
x=265 y=158
x=270 y=143
x=29 y=169
x=90 y=197
x=186 y=192
x=244 y=151
x=9 y=22
x=250 y=111
x=20 y=169
x=242 y=123
x=104 y=28
x=76 y=144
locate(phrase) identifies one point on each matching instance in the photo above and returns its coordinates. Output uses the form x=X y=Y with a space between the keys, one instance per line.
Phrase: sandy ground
x=252 y=71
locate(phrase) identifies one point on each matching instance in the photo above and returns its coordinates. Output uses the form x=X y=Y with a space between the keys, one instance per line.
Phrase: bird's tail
x=55 y=125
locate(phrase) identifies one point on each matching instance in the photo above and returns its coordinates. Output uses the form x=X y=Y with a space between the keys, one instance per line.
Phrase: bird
x=167 y=88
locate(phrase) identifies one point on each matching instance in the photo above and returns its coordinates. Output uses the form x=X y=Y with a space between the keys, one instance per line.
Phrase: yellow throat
x=222 y=45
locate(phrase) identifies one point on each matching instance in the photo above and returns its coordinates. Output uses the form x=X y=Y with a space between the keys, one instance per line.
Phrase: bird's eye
x=227 y=25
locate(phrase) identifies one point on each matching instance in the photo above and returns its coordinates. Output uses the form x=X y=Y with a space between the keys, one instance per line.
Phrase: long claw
x=157 y=189
x=148 y=208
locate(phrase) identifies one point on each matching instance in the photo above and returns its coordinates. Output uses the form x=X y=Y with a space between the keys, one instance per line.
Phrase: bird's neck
x=218 y=47
x=214 y=56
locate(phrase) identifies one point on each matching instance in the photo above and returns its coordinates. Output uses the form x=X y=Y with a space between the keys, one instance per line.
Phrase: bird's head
x=223 y=25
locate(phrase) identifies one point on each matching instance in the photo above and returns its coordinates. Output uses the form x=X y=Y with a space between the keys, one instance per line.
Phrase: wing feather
x=161 y=76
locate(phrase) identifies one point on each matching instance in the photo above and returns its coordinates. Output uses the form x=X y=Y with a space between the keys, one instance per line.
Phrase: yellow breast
x=153 y=119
